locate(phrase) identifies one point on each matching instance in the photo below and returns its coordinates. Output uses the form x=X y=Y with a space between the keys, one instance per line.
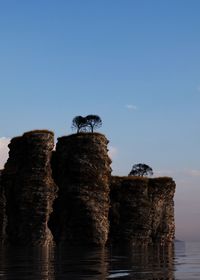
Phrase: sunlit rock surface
x=29 y=188
x=142 y=210
x=81 y=168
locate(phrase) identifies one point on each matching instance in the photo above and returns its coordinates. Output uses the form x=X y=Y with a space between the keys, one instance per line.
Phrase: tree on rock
x=93 y=122
x=86 y=124
x=141 y=170
x=79 y=123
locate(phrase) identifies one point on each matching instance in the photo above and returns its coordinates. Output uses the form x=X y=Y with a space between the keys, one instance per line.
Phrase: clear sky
x=135 y=63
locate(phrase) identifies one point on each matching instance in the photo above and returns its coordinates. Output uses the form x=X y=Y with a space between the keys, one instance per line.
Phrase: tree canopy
x=93 y=122
x=86 y=124
x=79 y=123
x=141 y=170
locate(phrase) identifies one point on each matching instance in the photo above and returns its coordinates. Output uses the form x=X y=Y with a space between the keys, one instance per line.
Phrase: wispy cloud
x=131 y=107
x=198 y=88
x=112 y=152
x=193 y=173
x=3 y=150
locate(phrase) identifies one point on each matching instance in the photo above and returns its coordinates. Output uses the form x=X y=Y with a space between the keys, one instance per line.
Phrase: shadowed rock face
x=2 y=211
x=82 y=172
x=142 y=210
x=29 y=188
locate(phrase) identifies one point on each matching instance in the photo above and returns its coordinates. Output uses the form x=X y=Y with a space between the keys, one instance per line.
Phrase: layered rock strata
x=81 y=168
x=29 y=188
x=142 y=210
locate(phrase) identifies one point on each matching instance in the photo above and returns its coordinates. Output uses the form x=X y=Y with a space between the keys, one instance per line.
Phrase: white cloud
x=131 y=107
x=112 y=152
x=3 y=150
x=193 y=173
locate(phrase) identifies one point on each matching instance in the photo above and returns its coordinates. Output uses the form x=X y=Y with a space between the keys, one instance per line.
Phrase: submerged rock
x=29 y=188
x=81 y=168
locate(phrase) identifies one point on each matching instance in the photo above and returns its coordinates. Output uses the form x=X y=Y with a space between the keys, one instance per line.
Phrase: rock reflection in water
x=57 y=263
x=27 y=263
x=144 y=262
x=79 y=263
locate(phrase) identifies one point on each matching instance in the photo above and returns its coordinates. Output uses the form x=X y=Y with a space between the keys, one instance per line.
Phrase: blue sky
x=135 y=63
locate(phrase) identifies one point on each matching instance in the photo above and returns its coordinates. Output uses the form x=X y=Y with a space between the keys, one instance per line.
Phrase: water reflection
x=53 y=263
x=81 y=263
x=27 y=263
x=187 y=260
x=155 y=262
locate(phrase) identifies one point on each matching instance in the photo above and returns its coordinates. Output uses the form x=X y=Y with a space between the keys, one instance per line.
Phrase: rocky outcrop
x=2 y=211
x=161 y=193
x=81 y=169
x=29 y=188
x=142 y=210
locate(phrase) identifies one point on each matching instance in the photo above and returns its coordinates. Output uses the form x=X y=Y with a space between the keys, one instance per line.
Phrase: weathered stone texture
x=29 y=188
x=142 y=210
x=81 y=169
x=161 y=192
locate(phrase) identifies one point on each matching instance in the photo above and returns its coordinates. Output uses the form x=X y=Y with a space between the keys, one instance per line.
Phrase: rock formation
x=29 y=188
x=161 y=191
x=2 y=211
x=81 y=168
x=142 y=210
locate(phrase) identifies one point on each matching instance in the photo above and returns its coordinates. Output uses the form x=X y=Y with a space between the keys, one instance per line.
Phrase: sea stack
x=82 y=171
x=29 y=188
x=142 y=210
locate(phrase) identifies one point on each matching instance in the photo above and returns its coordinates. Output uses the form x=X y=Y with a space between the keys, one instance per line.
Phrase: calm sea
x=180 y=262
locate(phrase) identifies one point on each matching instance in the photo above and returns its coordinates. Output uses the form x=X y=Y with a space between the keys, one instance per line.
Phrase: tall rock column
x=29 y=188
x=130 y=212
x=161 y=193
x=82 y=172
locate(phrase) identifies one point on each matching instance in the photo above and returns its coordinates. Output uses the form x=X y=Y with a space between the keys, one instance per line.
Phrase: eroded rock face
x=142 y=210
x=161 y=191
x=29 y=188
x=81 y=168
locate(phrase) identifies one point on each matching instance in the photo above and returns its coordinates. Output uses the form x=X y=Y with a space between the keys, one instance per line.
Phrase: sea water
x=181 y=261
